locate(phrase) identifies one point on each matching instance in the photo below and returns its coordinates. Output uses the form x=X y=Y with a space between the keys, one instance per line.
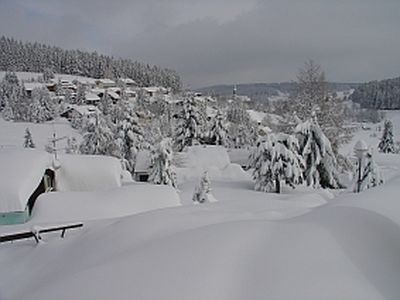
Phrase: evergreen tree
x=106 y=104
x=28 y=141
x=202 y=191
x=42 y=108
x=386 y=145
x=320 y=161
x=371 y=174
x=218 y=134
x=276 y=159
x=98 y=139
x=162 y=170
x=190 y=122
x=129 y=138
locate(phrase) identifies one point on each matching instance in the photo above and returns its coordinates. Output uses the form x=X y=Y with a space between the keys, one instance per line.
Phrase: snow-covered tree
x=72 y=146
x=276 y=159
x=28 y=140
x=48 y=74
x=129 y=138
x=106 y=104
x=371 y=175
x=218 y=134
x=162 y=171
x=320 y=161
x=386 y=144
x=80 y=94
x=190 y=122
x=98 y=139
x=311 y=94
x=202 y=192
x=42 y=108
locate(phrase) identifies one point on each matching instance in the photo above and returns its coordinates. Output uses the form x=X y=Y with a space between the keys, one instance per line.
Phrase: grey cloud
x=221 y=41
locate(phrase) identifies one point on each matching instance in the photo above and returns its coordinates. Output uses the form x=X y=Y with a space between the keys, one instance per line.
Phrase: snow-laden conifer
x=276 y=160
x=386 y=144
x=28 y=140
x=202 y=192
x=162 y=171
x=218 y=134
x=371 y=175
x=189 y=125
x=320 y=161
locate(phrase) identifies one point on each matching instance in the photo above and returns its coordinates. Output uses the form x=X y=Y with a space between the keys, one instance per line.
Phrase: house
x=128 y=82
x=152 y=91
x=142 y=167
x=30 y=86
x=91 y=98
x=74 y=110
x=24 y=175
x=105 y=83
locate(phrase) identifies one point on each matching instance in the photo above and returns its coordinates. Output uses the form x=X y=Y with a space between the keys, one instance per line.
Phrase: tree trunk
x=277 y=185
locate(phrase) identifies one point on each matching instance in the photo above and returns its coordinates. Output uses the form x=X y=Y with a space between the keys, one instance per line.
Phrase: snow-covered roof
x=128 y=81
x=113 y=95
x=30 y=86
x=91 y=97
x=106 y=81
x=84 y=110
x=21 y=172
x=143 y=161
x=88 y=173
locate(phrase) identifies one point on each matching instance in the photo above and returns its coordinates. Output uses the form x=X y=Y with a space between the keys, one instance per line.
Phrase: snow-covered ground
x=302 y=244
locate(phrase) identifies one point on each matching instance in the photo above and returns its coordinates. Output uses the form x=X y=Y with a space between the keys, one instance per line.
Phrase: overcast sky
x=219 y=41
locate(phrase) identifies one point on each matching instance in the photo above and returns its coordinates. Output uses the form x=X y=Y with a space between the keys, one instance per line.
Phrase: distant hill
x=262 y=91
x=384 y=94
x=35 y=57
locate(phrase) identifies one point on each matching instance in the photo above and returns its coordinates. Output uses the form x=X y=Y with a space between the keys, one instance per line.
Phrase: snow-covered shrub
x=386 y=144
x=162 y=171
x=202 y=192
x=276 y=159
x=28 y=140
x=320 y=161
x=370 y=173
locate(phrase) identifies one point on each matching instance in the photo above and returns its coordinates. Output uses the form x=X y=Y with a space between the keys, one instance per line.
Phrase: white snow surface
x=88 y=173
x=303 y=244
x=21 y=172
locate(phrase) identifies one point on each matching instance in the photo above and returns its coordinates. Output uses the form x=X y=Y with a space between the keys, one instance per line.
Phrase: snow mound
x=88 y=173
x=21 y=173
x=84 y=206
x=213 y=159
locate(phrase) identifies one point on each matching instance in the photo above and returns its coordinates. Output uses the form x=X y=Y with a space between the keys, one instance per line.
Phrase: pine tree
x=42 y=108
x=371 y=174
x=28 y=141
x=320 y=161
x=202 y=192
x=276 y=159
x=129 y=138
x=80 y=94
x=98 y=139
x=386 y=145
x=218 y=134
x=162 y=170
x=189 y=127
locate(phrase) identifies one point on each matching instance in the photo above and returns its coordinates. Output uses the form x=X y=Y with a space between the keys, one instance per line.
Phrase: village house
x=105 y=83
x=85 y=111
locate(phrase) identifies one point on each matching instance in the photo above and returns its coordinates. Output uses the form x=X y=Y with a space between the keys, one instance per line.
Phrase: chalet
x=105 y=83
x=142 y=167
x=128 y=82
x=73 y=110
x=91 y=98
x=24 y=175
x=30 y=86
x=152 y=91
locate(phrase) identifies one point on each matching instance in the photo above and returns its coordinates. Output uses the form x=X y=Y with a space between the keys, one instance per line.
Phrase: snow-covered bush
x=386 y=144
x=28 y=140
x=202 y=192
x=370 y=173
x=162 y=171
x=275 y=159
x=320 y=161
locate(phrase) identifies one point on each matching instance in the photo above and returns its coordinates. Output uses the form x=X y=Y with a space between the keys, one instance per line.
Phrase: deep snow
x=303 y=244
